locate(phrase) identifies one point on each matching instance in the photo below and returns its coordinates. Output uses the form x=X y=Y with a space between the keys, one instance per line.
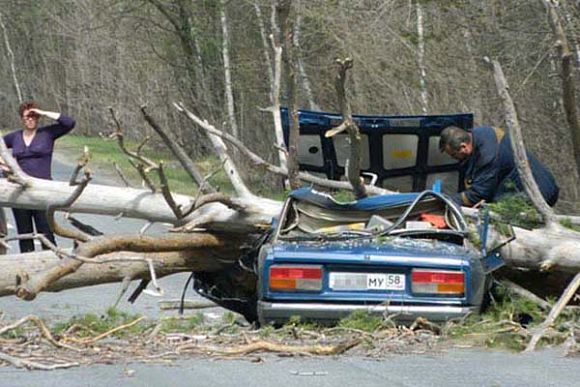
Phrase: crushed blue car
x=403 y=255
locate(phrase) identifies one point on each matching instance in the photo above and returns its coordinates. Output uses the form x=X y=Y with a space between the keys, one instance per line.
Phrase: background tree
x=86 y=55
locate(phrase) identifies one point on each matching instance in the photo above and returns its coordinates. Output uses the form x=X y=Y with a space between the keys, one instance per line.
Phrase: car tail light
x=296 y=277
x=438 y=281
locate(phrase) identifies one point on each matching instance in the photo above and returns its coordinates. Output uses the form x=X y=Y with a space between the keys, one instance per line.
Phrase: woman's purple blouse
x=36 y=159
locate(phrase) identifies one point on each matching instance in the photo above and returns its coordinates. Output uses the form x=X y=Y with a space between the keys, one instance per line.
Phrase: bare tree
x=568 y=86
x=228 y=72
x=10 y=55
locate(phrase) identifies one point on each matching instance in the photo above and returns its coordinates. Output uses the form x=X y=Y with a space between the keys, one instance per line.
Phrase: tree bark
x=222 y=152
x=274 y=77
x=10 y=55
x=519 y=150
x=21 y=265
x=352 y=169
x=178 y=152
x=304 y=80
x=568 y=85
x=228 y=71
x=138 y=203
x=286 y=16
x=201 y=245
x=421 y=59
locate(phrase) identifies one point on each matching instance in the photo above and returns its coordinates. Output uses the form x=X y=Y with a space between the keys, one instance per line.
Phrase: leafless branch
x=41 y=326
x=81 y=163
x=29 y=364
x=142 y=144
x=568 y=83
x=260 y=162
x=517 y=289
x=286 y=14
x=145 y=228
x=57 y=228
x=121 y=175
x=61 y=253
x=348 y=124
x=200 y=191
x=555 y=312
x=220 y=197
x=517 y=142
x=166 y=192
x=140 y=168
x=11 y=168
x=221 y=150
x=178 y=151
x=10 y=55
x=118 y=134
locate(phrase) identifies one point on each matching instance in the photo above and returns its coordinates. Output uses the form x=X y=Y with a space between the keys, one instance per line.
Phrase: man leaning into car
x=489 y=168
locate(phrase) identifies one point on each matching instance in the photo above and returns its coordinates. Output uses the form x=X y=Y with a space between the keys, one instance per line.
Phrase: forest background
x=410 y=57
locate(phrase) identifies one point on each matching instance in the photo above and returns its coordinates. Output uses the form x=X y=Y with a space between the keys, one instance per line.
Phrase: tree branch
x=171 y=142
x=52 y=208
x=12 y=170
x=568 y=82
x=353 y=167
x=118 y=134
x=521 y=159
x=221 y=150
x=304 y=176
x=29 y=287
x=555 y=312
x=286 y=14
x=166 y=192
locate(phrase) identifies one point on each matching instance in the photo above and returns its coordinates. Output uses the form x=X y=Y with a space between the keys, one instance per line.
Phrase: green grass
x=502 y=324
x=362 y=320
x=182 y=324
x=91 y=324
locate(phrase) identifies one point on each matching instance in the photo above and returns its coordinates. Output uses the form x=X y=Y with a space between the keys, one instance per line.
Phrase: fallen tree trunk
x=539 y=249
x=203 y=246
x=547 y=248
x=124 y=266
x=134 y=203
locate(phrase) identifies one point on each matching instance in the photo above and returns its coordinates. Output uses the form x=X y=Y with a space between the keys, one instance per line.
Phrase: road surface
x=456 y=367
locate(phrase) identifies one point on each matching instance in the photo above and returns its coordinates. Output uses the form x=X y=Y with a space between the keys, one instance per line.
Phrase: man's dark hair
x=453 y=137
x=26 y=106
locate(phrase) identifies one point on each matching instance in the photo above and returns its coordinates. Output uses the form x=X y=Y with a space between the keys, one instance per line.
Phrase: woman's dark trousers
x=24 y=224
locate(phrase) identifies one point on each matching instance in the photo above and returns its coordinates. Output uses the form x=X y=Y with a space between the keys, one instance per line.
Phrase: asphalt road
x=456 y=367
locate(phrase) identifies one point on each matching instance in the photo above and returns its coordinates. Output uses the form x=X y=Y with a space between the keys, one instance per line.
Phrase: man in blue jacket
x=488 y=164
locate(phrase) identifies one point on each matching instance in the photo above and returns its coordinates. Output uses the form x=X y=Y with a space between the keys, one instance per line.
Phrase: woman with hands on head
x=32 y=148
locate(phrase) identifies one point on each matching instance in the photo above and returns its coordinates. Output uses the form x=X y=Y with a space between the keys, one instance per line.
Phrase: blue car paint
x=400 y=257
x=371 y=203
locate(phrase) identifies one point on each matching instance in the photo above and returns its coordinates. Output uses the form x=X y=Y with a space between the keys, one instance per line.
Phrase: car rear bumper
x=280 y=312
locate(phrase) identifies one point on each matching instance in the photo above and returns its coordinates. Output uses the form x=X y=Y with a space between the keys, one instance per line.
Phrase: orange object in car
x=436 y=220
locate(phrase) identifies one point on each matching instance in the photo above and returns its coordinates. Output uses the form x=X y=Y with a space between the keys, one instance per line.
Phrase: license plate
x=366 y=281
